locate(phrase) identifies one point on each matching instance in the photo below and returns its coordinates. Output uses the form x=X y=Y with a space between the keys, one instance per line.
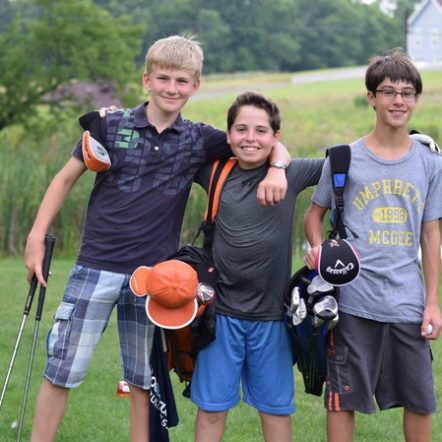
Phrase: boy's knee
x=213 y=417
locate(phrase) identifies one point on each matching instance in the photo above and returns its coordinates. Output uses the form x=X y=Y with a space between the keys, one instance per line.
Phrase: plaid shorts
x=81 y=319
x=389 y=361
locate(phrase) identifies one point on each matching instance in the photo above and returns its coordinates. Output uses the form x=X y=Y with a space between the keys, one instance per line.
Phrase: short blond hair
x=176 y=52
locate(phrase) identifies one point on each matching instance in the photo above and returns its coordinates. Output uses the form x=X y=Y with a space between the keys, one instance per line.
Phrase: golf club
x=205 y=293
x=318 y=285
x=28 y=305
x=326 y=308
x=49 y=247
x=300 y=314
x=317 y=322
x=333 y=322
x=295 y=299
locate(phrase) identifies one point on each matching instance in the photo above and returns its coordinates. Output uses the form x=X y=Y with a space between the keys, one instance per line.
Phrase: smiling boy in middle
x=252 y=252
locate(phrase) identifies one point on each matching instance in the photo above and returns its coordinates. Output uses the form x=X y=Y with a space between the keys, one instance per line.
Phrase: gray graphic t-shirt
x=386 y=203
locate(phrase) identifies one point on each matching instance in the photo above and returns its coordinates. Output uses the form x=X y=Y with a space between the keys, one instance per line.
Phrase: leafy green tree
x=48 y=43
x=5 y=14
x=261 y=34
x=341 y=33
x=272 y=35
x=214 y=34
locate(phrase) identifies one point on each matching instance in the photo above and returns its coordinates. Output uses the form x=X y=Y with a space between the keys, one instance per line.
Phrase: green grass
x=95 y=413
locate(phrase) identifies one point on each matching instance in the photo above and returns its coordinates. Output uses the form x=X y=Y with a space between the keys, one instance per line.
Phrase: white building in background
x=424 y=34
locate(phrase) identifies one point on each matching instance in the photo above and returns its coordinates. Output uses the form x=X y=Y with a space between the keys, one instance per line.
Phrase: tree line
x=47 y=43
x=275 y=35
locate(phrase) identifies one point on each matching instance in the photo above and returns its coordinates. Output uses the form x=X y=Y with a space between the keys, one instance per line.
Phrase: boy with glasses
x=380 y=346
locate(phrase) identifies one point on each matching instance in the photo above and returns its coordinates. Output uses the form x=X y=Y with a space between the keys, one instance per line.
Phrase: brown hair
x=258 y=101
x=395 y=65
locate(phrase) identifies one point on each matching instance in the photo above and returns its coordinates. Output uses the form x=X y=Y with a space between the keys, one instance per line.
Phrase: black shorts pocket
x=58 y=337
x=338 y=373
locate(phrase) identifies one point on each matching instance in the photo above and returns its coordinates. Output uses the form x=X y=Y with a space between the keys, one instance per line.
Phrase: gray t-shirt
x=252 y=245
x=386 y=203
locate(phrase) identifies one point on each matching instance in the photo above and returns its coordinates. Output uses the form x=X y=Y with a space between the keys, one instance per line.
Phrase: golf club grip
x=49 y=244
x=31 y=293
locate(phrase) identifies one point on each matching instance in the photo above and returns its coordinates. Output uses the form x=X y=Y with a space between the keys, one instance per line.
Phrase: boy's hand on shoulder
x=33 y=258
x=104 y=110
x=273 y=188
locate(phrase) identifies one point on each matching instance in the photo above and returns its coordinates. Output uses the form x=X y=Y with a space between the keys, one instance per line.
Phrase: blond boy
x=134 y=218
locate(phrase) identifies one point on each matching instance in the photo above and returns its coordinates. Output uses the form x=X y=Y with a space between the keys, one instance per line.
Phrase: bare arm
x=273 y=187
x=53 y=199
x=430 y=244
x=313 y=228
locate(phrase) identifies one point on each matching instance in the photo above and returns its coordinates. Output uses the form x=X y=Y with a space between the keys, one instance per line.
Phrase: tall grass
x=314 y=116
x=29 y=162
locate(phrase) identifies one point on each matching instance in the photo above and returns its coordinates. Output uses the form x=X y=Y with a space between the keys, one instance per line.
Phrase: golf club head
x=318 y=285
x=205 y=293
x=333 y=322
x=300 y=314
x=296 y=320
x=95 y=155
x=326 y=308
x=317 y=322
x=295 y=299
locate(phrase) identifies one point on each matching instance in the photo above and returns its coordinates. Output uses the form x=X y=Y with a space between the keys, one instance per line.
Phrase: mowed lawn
x=95 y=411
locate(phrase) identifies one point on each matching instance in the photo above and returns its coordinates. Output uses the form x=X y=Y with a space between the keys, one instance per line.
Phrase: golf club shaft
x=28 y=304
x=27 y=380
x=49 y=243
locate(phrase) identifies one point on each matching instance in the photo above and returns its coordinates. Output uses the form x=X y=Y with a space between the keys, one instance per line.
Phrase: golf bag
x=183 y=344
x=309 y=332
x=309 y=325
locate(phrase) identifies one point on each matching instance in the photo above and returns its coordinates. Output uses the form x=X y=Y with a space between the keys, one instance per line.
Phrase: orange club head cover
x=95 y=155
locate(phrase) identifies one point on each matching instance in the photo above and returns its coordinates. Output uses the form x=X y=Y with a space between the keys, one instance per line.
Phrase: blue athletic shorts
x=81 y=319
x=256 y=353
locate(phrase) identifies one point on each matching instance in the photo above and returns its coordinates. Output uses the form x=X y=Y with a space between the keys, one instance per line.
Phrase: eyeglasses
x=391 y=94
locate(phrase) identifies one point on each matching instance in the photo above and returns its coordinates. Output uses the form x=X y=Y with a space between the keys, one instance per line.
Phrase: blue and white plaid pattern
x=81 y=319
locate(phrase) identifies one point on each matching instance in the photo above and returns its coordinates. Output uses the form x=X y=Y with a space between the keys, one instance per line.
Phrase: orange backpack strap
x=220 y=171
x=181 y=347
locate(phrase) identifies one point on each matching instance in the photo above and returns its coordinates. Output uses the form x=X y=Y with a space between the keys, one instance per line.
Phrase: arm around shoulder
x=56 y=193
x=273 y=187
